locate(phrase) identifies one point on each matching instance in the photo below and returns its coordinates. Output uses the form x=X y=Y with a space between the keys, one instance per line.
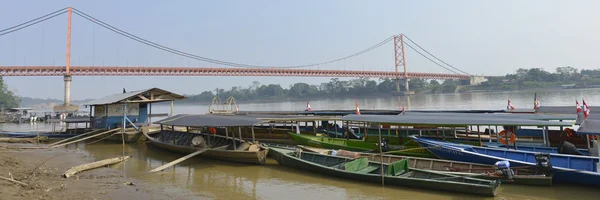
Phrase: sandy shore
x=41 y=169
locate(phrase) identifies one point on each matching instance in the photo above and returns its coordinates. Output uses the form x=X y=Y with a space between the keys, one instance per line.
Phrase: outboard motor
x=384 y=145
x=568 y=148
x=503 y=170
x=543 y=163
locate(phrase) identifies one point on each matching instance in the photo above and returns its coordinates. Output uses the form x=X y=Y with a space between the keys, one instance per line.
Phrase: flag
x=536 y=102
x=586 y=110
x=578 y=106
x=308 y=106
x=357 y=109
x=510 y=106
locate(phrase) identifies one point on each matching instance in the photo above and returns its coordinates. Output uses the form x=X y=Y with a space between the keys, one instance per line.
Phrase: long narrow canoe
x=397 y=173
x=522 y=176
x=357 y=145
x=565 y=168
x=223 y=148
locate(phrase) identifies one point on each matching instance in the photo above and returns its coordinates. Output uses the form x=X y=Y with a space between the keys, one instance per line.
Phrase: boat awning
x=208 y=121
x=590 y=127
x=295 y=118
x=449 y=120
x=546 y=117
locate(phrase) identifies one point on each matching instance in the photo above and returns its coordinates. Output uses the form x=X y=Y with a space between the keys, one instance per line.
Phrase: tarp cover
x=500 y=115
x=590 y=127
x=562 y=109
x=208 y=121
x=450 y=120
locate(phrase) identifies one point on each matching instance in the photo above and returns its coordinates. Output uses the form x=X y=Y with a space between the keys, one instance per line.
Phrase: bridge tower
x=67 y=107
x=400 y=59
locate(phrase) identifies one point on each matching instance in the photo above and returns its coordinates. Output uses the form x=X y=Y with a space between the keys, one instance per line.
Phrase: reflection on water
x=211 y=179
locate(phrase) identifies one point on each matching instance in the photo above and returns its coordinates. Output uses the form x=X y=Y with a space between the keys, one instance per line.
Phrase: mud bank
x=41 y=169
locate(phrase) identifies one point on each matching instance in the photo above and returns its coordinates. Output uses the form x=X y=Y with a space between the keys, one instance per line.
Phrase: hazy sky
x=480 y=37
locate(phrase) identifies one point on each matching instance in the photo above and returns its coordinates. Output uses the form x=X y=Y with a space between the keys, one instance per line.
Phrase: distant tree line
x=7 y=98
x=334 y=88
x=539 y=78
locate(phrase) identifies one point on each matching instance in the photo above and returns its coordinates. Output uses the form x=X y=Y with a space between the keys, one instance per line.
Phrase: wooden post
x=490 y=133
x=253 y=140
x=544 y=136
x=149 y=114
x=479 y=136
x=381 y=155
x=172 y=108
x=240 y=132
x=91 y=119
x=506 y=137
x=227 y=134
x=335 y=127
x=515 y=132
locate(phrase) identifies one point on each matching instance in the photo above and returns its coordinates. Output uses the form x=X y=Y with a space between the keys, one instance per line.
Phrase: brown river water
x=210 y=179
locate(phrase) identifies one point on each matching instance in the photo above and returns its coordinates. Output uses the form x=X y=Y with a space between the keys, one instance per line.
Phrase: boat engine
x=384 y=145
x=568 y=148
x=503 y=170
x=543 y=163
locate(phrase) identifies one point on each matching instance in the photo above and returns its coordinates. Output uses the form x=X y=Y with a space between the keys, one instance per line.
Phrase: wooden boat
x=358 y=145
x=397 y=173
x=564 y=168
x=521 y=177
x=219 y=147
x=222 y=147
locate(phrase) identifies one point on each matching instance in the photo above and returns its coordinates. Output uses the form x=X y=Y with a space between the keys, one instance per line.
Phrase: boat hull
x=294 y=162
x=560 y=174
x=355 y=145
x=251 y=157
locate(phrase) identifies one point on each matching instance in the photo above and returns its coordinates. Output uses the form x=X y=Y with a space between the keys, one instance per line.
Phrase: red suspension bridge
x=232 y=69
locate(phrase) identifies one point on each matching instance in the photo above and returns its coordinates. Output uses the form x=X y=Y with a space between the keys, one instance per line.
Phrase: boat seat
x=356 y=165
x=397 y=168
x=368 y=169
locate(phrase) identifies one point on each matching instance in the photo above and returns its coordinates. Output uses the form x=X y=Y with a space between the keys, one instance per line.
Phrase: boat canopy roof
x=499 y=115
x=450 y=120
x=208 y=121
x=590 y=127
x=295 y=118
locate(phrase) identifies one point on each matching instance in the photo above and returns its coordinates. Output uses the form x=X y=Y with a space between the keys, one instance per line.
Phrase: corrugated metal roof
x=589 y=126
x=123 y=97
x=501 y=115
x=208 y=121
x=448 y=120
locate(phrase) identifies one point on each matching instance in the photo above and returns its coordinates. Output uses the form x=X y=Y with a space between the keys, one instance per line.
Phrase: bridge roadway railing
x=197 y=71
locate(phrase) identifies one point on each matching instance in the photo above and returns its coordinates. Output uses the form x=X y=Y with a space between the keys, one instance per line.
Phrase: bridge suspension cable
x=210 y=60
x=433 y=57
x=32 y=22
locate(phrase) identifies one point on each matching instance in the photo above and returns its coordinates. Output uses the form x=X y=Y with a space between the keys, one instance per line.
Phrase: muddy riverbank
x=41 y=169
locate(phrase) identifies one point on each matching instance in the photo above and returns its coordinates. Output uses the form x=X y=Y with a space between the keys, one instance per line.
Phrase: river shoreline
x=41 y=169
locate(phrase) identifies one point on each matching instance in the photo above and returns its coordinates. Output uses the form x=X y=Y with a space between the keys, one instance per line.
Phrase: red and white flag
x=308 y=106
x=357 y=109
x=510 y=106
x=578 y=106
x=586 y=110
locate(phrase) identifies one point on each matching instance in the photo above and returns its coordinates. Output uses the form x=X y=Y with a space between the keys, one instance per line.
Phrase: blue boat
x=566 y=168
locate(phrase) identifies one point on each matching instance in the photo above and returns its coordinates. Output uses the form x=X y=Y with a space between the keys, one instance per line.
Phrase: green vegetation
x=7 y=98
x=539 y=78
x=334 y=88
